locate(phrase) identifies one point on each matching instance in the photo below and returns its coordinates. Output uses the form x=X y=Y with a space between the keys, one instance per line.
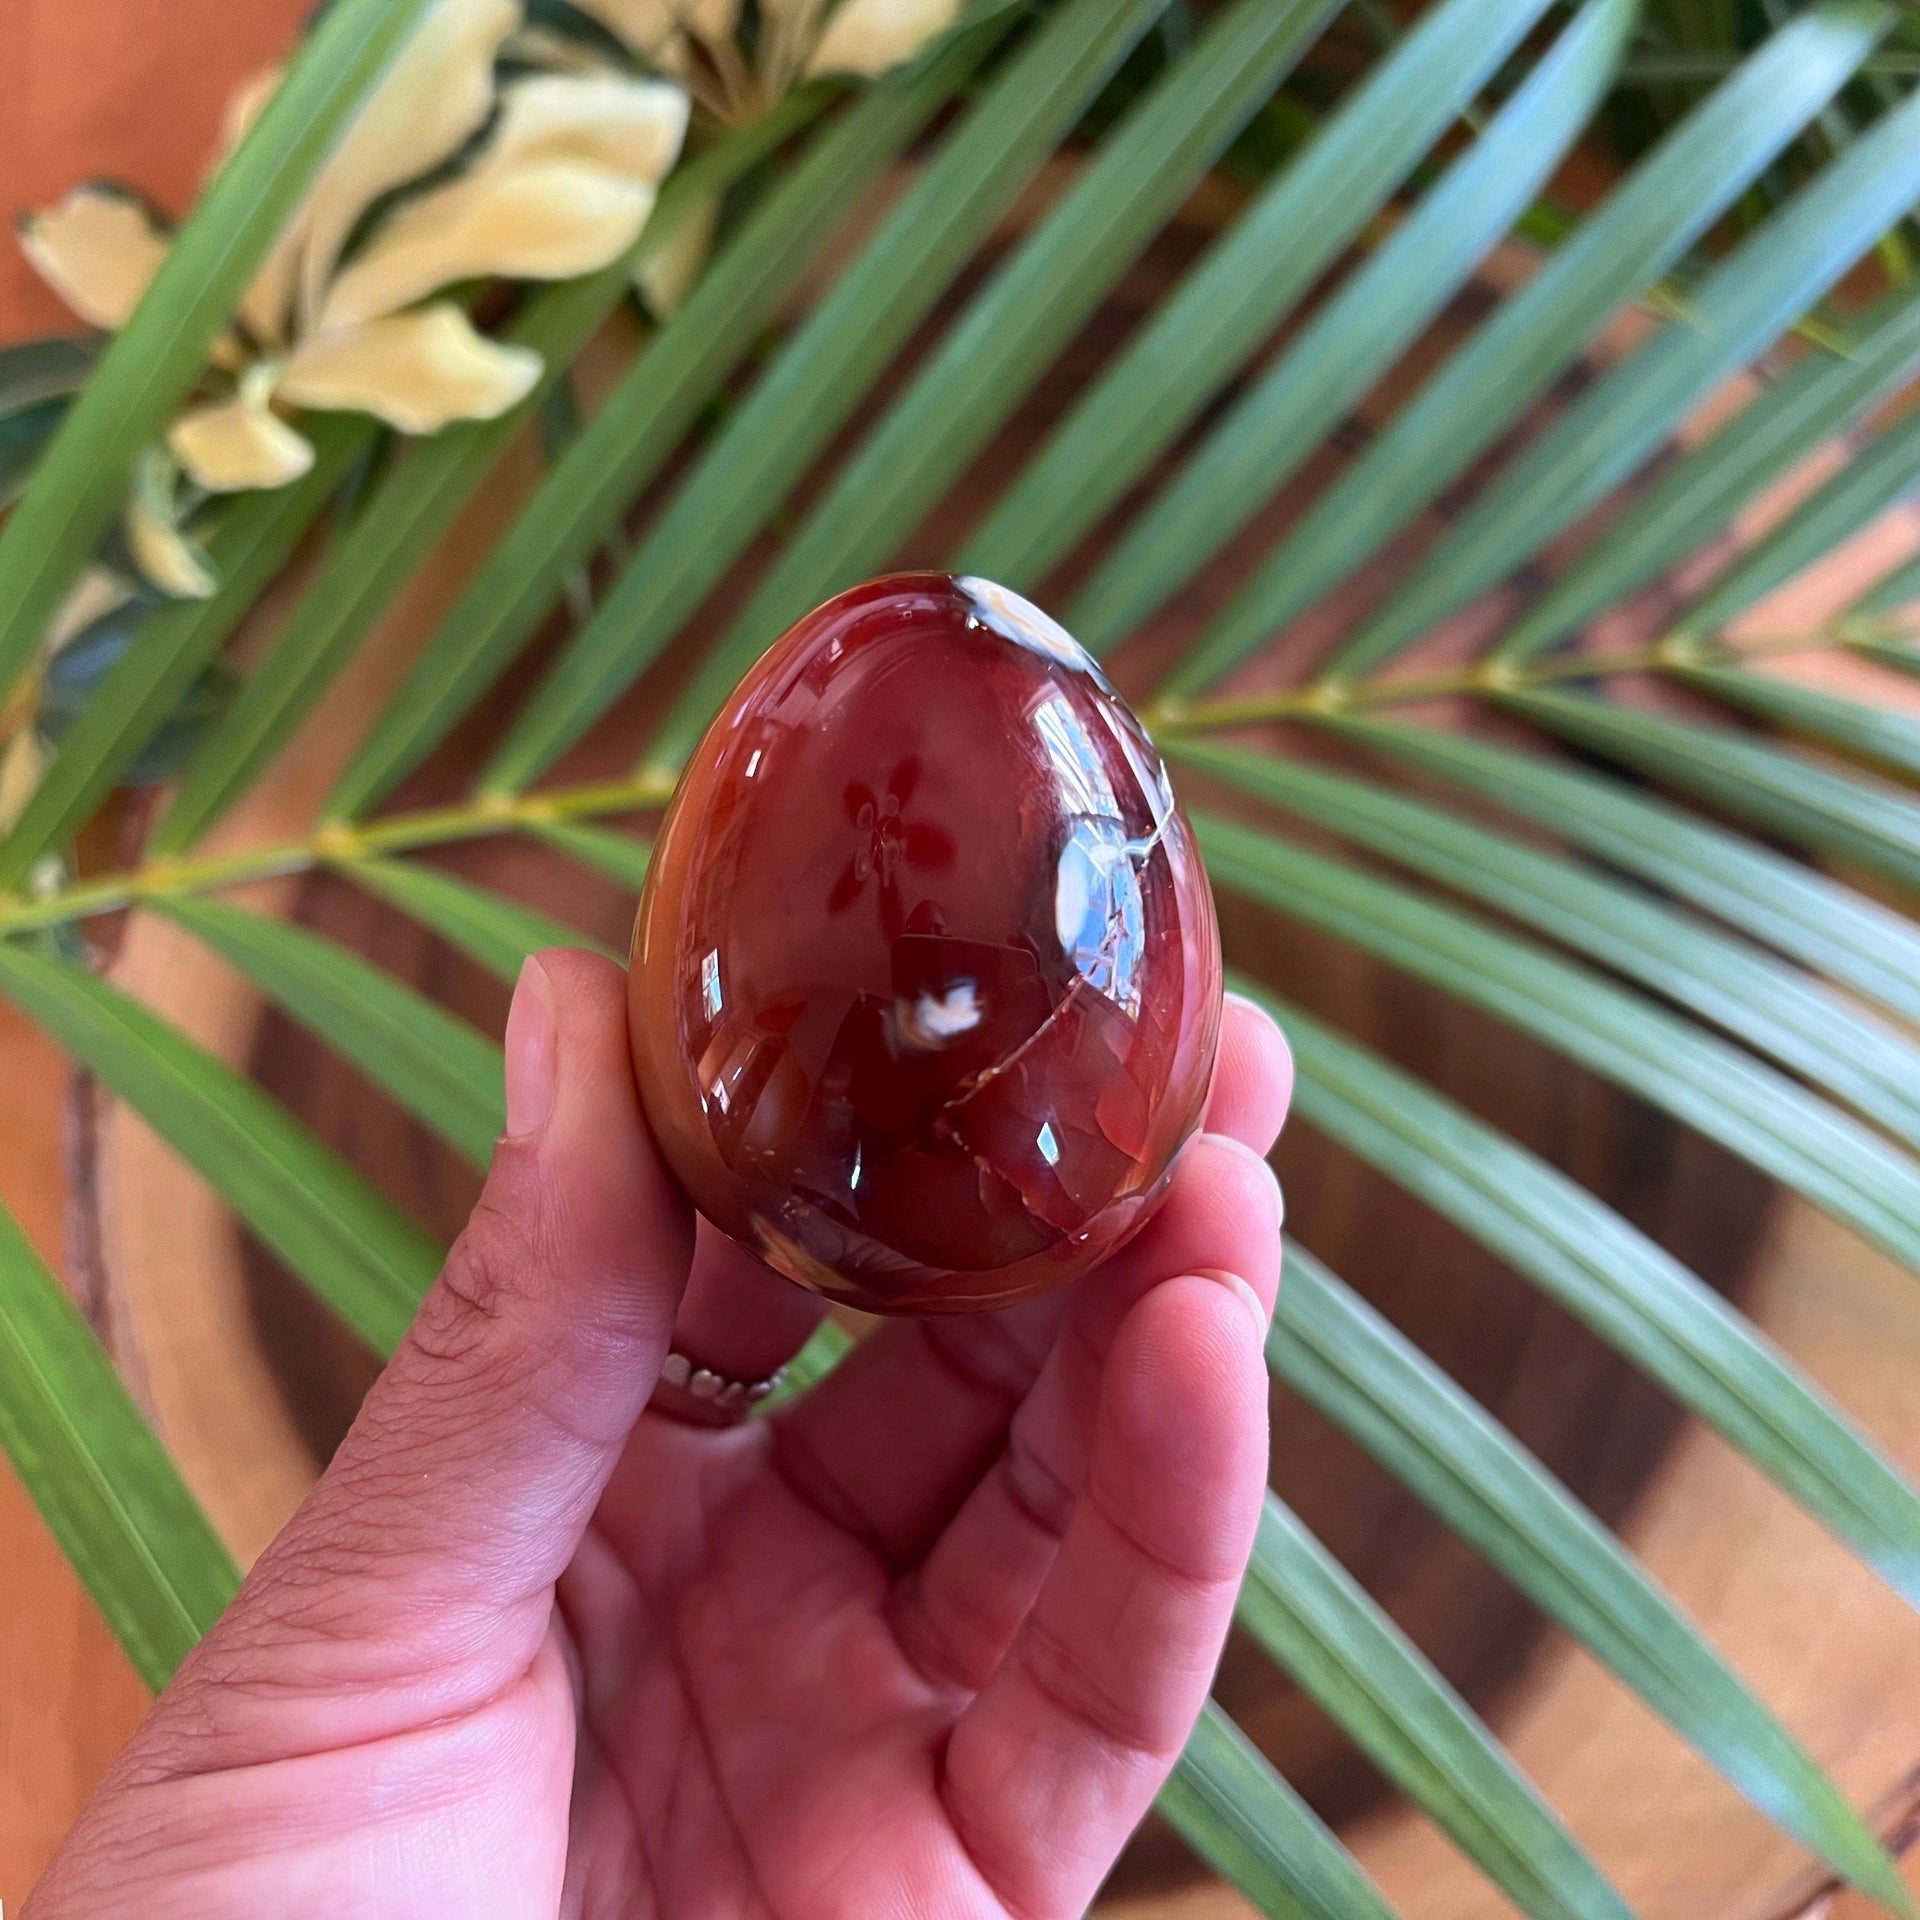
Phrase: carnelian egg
x=926 y=979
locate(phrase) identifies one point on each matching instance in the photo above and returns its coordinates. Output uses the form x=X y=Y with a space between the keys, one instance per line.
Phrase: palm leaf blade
x=1873 y=733
x=1689 y=503
x=1826 y=926
x=1810 y=805
x=1629 y=1290
x=490 y=929
x=112 y=1497
x=1635 y=235
x=627 y=438
x=1741 y=307
x=347 y=1241
x=1363 y=328
x=1315 y=1620
x=1337 y=1353
x=176 y=644
x=1218 y=315
x=824 y=369
x=1879 y=474
x=430 y=1061
x=1771 y=1006
x=1230 y=1806
x=1011 y=332
x=1753 y=1111
x=618 y=856
x=390 y=535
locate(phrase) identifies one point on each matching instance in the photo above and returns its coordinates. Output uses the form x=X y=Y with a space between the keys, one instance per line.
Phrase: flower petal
x=436 y=94
x=97 y=250
x=630 y=127
x=416 y=371
x=665 y=272
x=238 y=445
x=166 y=557
x=23 y=759
x=548 y=221
x=94 y=595
x=649 y=26
x=263 y=307
x=871 y=36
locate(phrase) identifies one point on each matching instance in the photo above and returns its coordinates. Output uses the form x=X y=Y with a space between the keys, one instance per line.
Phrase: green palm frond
x=120 y=1511
x=1610 y=848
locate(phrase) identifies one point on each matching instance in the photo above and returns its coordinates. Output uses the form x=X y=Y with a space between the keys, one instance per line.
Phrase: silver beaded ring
x=719 y=1394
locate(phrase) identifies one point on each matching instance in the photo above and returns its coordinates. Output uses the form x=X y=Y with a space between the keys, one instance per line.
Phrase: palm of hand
x=926 y=1641
x=755 y=1736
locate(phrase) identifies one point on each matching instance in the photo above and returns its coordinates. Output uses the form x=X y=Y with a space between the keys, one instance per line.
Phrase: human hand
x=924 y=1642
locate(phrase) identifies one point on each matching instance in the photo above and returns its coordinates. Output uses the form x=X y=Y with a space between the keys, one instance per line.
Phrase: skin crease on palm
x=924 y=1643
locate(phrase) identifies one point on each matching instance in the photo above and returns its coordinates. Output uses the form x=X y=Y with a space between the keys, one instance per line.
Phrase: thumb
x=428 y=1552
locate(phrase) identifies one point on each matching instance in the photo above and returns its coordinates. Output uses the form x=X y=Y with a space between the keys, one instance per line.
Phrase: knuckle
x=464 y=1311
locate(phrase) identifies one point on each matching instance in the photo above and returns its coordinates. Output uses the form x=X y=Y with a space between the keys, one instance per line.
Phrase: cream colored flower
x=655 y=27
x=238 y=445
x=23 y=759
x=165 y=554
x=564 y=172
x=416 y=371
x=97 y=250
x=698 y=42
x=437 y=93
x=869 y=37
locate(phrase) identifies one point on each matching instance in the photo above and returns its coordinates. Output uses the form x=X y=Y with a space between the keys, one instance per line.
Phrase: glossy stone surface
x=926 y=979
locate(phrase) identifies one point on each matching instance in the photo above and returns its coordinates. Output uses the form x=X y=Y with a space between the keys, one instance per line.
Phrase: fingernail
x=1241 y=1291
x=532 y=1052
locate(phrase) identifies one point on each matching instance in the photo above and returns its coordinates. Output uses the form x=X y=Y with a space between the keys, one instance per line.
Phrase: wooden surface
x=68 y=1696
x=88 y=88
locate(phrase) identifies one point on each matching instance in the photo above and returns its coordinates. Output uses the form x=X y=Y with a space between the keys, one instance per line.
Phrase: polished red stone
x=926 y=980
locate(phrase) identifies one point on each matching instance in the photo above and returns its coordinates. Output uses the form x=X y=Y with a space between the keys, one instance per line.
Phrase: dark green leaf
x=432 y=1063
x=1373 y=318
x=1240 y=1817
x=824 y=370
x=1314 y=1618
x=255 y=537
x=496 y=932
x=1010 y=333
x=36 y=371
x=115 y=1502
x=1218 y=315
x=38 y=379
x=1338 y=1354
x=390 y=535
x=1767 y=1119
x=350 y=1244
